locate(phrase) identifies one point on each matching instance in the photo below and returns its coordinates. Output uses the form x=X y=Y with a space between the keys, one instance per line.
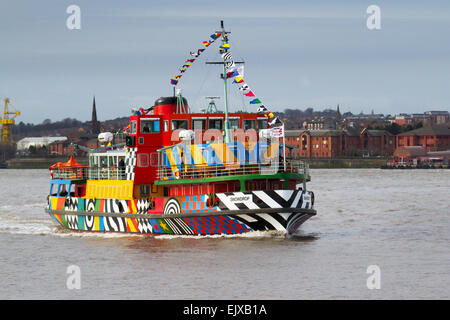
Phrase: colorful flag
x=275 y=121
x=177 y=76
x=262 y=109
x=238 y=80
x=174 y=82
x=232 y=74
x=244 y=87
x=190 y=60
x=249 y=94
x=215 y=35
x=200 y=50
x=227 y=56
x=194 y=54
x=254 y=101
x=276 y=132
x=206 y=43
x=225 y=46
x=229 y=65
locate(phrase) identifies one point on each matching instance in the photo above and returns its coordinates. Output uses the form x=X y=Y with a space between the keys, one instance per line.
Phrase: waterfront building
x=432 y=138
x=340 y=143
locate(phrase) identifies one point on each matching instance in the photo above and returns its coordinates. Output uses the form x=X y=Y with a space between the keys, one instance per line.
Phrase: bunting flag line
x=232 y=71
x=194 y=54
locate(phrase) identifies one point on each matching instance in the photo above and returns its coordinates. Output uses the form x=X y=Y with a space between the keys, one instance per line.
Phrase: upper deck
x=172 y=146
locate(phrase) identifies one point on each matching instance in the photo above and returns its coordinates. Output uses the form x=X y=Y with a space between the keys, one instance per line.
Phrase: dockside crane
x=7 y=122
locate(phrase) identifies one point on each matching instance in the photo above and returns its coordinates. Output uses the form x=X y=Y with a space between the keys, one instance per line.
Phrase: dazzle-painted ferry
x=172 y=171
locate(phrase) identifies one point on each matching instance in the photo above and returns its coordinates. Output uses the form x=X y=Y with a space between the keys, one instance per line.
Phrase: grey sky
x=297 y=53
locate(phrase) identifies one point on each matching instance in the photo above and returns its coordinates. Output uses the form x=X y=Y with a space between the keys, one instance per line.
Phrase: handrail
x=91 y=173
x=168 y=172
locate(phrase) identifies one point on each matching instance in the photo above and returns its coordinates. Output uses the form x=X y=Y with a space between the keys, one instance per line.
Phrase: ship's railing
x=91 y=173
x=232 y=169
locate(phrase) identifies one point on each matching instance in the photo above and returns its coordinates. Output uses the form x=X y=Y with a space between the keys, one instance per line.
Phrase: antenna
x=212 y=108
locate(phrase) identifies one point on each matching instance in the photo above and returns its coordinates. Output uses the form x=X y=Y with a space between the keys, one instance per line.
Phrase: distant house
x=427 y=118
x=432 y=138
x=66 y=148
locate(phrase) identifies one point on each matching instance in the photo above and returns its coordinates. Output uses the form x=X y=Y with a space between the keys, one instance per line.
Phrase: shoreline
x=348 y=163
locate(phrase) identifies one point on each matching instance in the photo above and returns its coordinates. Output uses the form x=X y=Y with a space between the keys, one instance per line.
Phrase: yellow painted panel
x=197 y=155
x=54 y=202
x=133 y=207
x=109 y=189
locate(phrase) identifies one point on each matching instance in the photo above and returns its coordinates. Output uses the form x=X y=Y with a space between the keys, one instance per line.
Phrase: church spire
x=95 y=125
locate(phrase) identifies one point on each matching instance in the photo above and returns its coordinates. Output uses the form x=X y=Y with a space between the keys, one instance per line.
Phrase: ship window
x=142 y=160
x=149 y=125
x=261 y=124
x=166 y=125
x=215 y=124
x=133 y=126
x=199 y=124
x=179 y=124
x=144 y=190
x=154 y=159
x=54 y=190
x=234 y=123
x=248 y=124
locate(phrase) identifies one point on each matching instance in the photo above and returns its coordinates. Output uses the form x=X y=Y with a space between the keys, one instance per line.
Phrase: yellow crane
x=7 y=122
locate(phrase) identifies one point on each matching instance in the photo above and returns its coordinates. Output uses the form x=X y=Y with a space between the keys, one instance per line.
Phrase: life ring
x=177 y=173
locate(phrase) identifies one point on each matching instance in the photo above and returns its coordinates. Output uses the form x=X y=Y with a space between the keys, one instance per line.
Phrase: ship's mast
x=226 y=132
x=227 y=129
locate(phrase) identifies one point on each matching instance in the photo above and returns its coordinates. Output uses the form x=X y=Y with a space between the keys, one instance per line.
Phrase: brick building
x=340 y=143
x=432 y=138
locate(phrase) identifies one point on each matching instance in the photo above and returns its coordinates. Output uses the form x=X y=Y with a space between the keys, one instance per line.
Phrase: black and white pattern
x=89 y=222
x=116 y=224
x=116 y=206
x=144 y=226
x=90 y=205
x=178 y=226
x=172 y=207
x=142 y=206
x=72 y=221
x=130 y=163
x=72 y=204
x=274 y=199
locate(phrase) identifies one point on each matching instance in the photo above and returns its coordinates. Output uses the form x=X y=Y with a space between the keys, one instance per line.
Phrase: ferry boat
x=176 y=172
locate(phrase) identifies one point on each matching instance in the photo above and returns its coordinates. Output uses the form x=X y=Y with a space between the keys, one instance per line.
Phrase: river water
x=396 y=220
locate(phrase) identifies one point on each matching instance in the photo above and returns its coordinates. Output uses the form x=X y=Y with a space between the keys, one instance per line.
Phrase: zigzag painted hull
x=235 y=213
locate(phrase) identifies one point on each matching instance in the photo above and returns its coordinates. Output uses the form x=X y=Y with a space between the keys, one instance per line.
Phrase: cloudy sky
x=297 y=54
